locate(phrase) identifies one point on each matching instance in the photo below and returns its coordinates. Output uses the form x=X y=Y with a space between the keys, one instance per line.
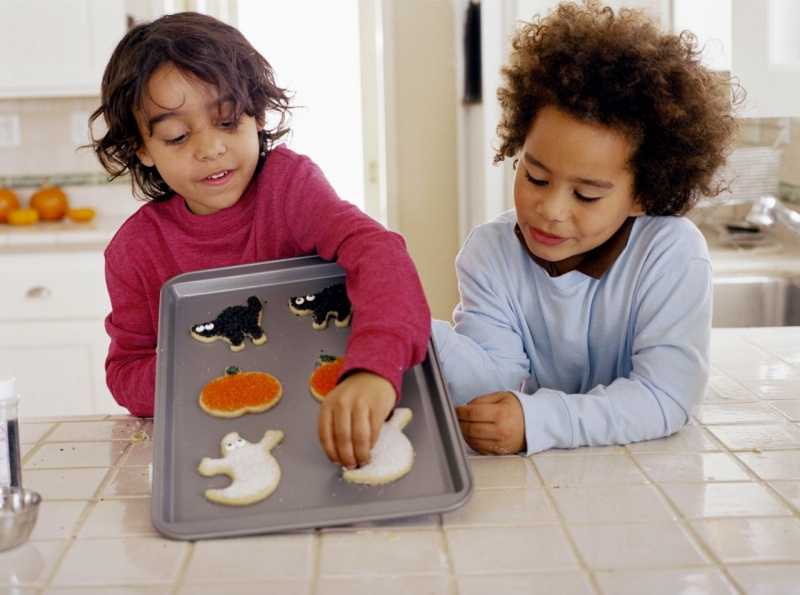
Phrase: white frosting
x=391 y=457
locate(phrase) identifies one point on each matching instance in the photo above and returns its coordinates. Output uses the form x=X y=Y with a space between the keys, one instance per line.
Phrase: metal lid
x=8 y=388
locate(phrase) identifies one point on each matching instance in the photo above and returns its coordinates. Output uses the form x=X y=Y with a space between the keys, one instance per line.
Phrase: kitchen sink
x=756 y=300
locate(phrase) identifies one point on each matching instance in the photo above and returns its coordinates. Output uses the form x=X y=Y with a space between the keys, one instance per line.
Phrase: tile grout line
x=684 y=523
x=585 y=569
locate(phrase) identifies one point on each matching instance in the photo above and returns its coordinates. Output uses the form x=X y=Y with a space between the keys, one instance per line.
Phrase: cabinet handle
x=38 y=293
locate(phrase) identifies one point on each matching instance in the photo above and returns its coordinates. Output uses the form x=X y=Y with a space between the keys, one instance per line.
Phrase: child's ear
x=637 y=210
x=144 y=157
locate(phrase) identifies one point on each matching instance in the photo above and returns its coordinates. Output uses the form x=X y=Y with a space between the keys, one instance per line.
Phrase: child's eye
x=587 y=199
x=535 y=181
x=175 y=141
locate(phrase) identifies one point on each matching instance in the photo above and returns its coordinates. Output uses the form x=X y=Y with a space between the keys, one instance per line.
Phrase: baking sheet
x=311 y=492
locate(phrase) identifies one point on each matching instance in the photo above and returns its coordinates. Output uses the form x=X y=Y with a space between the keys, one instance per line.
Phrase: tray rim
x=181 y=530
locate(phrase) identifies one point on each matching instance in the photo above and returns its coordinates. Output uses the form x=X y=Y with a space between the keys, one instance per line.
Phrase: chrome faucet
x=767 y=210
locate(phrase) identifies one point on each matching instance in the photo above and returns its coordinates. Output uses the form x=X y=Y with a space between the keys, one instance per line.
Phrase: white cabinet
x=53 y=302
x=57 y=48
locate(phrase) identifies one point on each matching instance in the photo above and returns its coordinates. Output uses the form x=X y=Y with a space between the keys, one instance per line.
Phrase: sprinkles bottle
x=10 y=461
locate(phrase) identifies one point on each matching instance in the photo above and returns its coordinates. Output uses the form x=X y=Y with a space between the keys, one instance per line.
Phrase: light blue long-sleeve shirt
x=601 y=361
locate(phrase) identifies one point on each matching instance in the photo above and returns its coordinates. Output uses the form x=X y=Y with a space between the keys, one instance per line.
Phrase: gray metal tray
x=311 y=492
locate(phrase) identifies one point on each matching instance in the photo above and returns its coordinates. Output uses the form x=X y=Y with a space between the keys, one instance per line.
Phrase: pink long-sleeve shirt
x=289 y=210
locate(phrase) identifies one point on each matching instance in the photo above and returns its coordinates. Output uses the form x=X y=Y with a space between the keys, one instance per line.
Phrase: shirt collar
x=593 y=263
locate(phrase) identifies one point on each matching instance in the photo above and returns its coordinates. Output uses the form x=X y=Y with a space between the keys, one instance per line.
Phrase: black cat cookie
x=233 y=325
x=330 y=302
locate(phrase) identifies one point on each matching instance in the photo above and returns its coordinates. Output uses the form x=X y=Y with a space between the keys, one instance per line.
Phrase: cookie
x=330 y=302
x=323 y=378
x=233 y=325
x=391 y=457
x=254 y=472
x=237 y=393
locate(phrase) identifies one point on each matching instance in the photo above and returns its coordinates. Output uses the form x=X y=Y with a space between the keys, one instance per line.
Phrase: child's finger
x=362 y=436
x=485 y=413
x=326 y=435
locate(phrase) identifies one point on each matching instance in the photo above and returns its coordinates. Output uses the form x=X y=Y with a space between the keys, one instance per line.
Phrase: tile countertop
x=712 y=509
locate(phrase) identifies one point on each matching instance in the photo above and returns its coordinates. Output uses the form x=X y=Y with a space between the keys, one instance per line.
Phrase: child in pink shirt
x=185 y=99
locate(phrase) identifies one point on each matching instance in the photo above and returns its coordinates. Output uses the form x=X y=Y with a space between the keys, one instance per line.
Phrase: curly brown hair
x=621 y=71
x=202 y=46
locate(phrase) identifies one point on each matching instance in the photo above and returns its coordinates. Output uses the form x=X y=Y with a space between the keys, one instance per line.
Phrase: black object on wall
x=472 y=54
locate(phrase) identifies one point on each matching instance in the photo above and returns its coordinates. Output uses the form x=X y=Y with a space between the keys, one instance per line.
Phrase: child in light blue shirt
x=585 y=312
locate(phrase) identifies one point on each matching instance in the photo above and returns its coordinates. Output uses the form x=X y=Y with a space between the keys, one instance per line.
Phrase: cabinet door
x=52 y=48
x=59 y=367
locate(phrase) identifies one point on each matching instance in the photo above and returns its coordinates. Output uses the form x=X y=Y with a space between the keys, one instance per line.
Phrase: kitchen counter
x=713 y=509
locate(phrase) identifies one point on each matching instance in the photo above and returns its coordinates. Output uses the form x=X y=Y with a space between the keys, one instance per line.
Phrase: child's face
x=198 y=146
x=572 y=188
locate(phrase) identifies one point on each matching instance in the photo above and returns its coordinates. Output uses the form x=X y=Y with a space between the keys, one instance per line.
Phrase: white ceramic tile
x=687 y=439
x=752 y=540
x=789 y=490
x=608 y=504
x=509 y=550
x=664 y=581
x=31 y=563
x=120 y=429
x=132 y=561
x=789 y=409
x=636 y=545
x=129 y=481
x=515 y=506
x=119 y=518
x=58 y=519
x=774 y=579
x=65 y=484
x=391 y=585
x=691 y=466
x=788 y=354
x=774 y=388
x=140 y=454
x=731 y=413
x=109 y=590
x=773 y=464
x=586 y=469
x=31 y=433
x=728 y=340
x=778 y=370
x=265 y=587
x=746 y=355
x=758 y=437
x=504 y=472
x=724 y=389
x=272 y=558
x=373 y=553
x=706 y=500
x=572 y=583
x=57 y=455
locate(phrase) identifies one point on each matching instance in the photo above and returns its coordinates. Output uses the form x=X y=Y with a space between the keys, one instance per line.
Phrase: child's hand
x=493 y=424
x=352 y=415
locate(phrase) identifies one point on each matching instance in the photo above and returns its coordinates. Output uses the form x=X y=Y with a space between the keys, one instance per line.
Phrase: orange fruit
x=50 y=202
x=323 y=378
x=23 y=216
x=81 y=215
x=239 y=392
x=8 y=202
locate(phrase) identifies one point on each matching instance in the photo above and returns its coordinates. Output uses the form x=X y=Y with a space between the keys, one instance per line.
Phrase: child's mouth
x=218 y=176
x=545 y=238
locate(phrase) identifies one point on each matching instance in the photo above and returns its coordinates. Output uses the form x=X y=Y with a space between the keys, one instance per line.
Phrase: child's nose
x=553 y=206
x=209 y=146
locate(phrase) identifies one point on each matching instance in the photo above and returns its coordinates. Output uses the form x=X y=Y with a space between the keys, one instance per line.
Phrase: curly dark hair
x=202 y=46
x=621 y=71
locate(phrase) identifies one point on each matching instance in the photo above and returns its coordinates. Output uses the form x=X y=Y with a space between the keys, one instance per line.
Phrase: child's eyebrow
x=528 y=158
x=215 y=105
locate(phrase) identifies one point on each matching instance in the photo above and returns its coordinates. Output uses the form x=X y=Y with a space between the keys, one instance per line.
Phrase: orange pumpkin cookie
x=323 y=378
x=237 y=393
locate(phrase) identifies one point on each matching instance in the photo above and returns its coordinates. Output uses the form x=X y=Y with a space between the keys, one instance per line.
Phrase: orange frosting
x=323 y=379
x=238 y=392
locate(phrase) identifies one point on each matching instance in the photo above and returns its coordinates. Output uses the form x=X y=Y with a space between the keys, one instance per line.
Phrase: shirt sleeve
x=391 y=318
x=670 y=369
x=131 y=360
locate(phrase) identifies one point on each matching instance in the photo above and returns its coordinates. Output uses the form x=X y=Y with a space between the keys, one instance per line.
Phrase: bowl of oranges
x=48 y=203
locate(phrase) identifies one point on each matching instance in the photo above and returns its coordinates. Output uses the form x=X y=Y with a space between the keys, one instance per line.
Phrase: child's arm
x=352 y=415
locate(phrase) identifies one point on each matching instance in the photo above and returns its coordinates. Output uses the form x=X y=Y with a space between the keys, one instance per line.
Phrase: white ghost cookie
x=254 y=471
x=391 y=457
